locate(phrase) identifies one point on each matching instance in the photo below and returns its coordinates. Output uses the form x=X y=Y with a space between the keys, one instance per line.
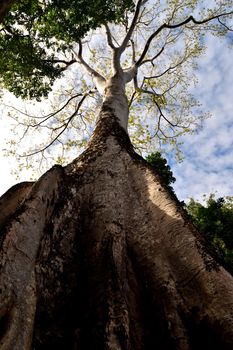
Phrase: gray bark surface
x=99 y=255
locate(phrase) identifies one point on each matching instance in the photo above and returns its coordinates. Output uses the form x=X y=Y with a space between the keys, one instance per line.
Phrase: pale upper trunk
x=113 y=92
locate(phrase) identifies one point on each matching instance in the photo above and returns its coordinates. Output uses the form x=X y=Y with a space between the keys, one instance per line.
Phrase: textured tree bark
x=99 y=255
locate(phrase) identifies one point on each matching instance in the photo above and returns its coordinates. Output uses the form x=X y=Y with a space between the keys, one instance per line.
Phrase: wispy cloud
x=208 y=164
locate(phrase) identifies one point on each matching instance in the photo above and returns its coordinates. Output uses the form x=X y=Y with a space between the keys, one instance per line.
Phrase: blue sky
x=208 y=156
x=208 y=164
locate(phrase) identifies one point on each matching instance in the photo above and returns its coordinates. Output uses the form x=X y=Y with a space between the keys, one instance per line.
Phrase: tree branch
x=140 y=89
x=224 y=25
x=135 y=83
x=132 y=26
x=133 y=51
x=130 y=73
x=109 y=37
x=50 y=115
x=98 y=79
x=152 y=59
x=67 y=63
x=64 y=126
x=174 y=26
x=163 y=116
x=168 y=69
x=116 y=66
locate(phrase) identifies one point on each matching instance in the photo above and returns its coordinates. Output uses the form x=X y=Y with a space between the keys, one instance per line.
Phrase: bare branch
x=50 y=115
x=109 y=37
x=151 y=59
x=90 y=70
x=130 y=73
x=133 y=51
x=66 y=63
x=168 y=69
x=174 y=26
x=98 y=79
x=18 y=110
x=132 y=25
x=224 y=25
x=140 y=89
x=60 y=109
x=162 y=115
x=64 y=126
x=116 y=66
x=135 y=82
x=132 y=98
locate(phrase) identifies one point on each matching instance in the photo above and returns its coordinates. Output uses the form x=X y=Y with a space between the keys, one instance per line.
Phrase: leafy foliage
x=34 y=32
x=162 y=168
x=22 y=68
x=215 y=221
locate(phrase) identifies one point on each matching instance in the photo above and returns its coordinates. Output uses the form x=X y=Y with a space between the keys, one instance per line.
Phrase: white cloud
x=208 y=164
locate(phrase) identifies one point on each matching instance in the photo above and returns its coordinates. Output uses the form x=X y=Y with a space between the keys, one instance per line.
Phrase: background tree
x=215 y=220
x=98 y=254
x=162 y=168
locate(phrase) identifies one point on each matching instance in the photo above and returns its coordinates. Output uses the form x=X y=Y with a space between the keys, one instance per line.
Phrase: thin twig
x=224 y=25
x=152 y=59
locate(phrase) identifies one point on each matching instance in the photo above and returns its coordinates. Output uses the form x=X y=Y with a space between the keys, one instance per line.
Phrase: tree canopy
x=75 y=43
x=35 y=32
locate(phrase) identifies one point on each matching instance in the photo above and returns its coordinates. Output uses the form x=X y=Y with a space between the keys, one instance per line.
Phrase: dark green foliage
x=66 y=20
x=162 y=168
x=35 y=33
x=22 y=67
x=215 y=221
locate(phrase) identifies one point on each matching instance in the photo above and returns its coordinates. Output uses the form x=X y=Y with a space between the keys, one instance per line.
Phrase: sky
x=208 y=164
x=208 y=156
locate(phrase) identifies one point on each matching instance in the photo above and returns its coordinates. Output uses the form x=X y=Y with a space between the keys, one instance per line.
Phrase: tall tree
x=99 y=254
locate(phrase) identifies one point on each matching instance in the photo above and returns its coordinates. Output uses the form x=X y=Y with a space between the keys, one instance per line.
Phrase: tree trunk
x=99 y=255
